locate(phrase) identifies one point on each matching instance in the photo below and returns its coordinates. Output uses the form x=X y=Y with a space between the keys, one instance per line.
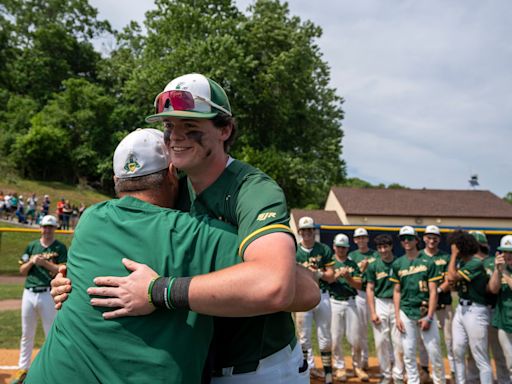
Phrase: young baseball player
x=471 y=318
x=345 y=319
x=415 y=301
x=379 y=293
x=317 y=257
x=39 y=263
x=444 y=312
x=501 y=285
x=363 y=256
x=502 y=373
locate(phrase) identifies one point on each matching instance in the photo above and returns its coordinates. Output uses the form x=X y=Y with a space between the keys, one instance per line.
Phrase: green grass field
x=11 y=291
x=10 y=330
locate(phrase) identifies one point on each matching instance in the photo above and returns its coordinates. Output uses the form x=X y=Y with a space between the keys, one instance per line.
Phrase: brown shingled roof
x=422 y=202
x=321 y=217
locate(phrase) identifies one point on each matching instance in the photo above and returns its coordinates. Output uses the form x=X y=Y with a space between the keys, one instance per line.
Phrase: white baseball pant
x=388 y=341
x=33 y=305
x=322 y=315
x=430 y=338
x=345 y=322
x=281 y=367
x=470 y=327
x=362 y=311
x=505 y=340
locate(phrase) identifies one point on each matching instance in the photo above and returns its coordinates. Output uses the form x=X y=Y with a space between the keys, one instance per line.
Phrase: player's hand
x=499 y=261
x=455 y=250
x=38 y=260
x=400 y=325
x=128 y=294
x=61 y=286
x=363 y=265
x=376 y=319
x=424 y=324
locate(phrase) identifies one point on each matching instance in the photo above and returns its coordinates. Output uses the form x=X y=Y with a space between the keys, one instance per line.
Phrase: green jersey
x=502 y=317
x=320 y=257
x=341 y=289
x=413 y=277
x=441 y=260
x=358 y=256
x=473 y=284
x=378 y=273
x=251 y=201
x=38 y=276
x=166 y=346
x=489 y=268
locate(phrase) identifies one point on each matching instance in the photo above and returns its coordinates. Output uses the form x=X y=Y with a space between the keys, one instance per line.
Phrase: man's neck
x=411 y=254
x=387 y=258
x=202 y=177
x=307 y=244
x=341 y=259
x=481 y=255
x=46 y=241
x=364 y=249
x=431 y=251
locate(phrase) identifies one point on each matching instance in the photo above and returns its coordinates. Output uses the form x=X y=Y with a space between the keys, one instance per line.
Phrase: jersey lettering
x=266 y=215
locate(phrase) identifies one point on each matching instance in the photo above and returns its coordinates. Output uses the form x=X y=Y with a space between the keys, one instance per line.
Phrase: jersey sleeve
x=394 y=273
x=370 y=273
x=471 y=270
x=433 y=272
x=261 y=210
x=356 y=273
x=63 y=254
x=328 y=259
x=26 y=254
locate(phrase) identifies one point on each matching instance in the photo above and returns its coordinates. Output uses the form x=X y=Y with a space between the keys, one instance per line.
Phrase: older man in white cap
x=363 y=256
x=39 y=263
x=317 y=257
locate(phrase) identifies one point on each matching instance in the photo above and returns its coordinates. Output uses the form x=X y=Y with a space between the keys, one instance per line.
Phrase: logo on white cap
x=407 y=230
x=432 y=230
x=506 y=244
x=141 y=153
x=306 y=222
x=360 y=232
x=341 y=240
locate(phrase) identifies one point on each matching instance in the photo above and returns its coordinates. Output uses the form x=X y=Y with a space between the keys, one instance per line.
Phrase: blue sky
x=427 y=85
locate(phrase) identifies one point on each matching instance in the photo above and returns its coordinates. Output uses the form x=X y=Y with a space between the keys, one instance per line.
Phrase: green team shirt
x=251 y=201
x=320 y=256
x=38 y=276
x=166 y=346
x=441 y=260
x=473 y=284
x=378 y=273
x=358 y=256
x=413 y=277
x=489 y=268
x=341 y=289
x=502 y=317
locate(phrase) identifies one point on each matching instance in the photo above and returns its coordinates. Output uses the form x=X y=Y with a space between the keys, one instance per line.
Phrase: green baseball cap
x=480 y=237
x=192 y=96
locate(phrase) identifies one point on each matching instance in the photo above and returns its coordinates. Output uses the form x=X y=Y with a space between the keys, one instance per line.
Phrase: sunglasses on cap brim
x=178 y=100
x=407 y=237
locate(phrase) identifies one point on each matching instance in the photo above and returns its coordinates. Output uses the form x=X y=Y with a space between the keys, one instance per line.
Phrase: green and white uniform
x=387 y=337
x=471 y=320
x=251 y=201
x=320 y=257
x=362 y=308
x=345 y=319
x=36 y=298
x=414 y=276
x=166 y=346
x=502 y=319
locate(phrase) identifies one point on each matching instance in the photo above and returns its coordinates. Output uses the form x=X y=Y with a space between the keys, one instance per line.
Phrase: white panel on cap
x=197 y=85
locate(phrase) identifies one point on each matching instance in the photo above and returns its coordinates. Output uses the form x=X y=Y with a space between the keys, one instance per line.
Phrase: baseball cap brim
x=182 y=115
x=505 y=249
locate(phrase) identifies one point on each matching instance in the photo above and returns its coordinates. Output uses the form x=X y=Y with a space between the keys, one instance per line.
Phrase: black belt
x=465 y=302
x=252 y=366
x=38 y=289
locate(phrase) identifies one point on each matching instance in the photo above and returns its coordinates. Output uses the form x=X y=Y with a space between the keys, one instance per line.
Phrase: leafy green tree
x=508 y=198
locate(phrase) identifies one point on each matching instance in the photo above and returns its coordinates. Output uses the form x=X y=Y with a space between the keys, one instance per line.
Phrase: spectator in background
x=74 y=217
x=20 y=210
x=7 y=205
x=31 y=209
x=66 y=214
x=60 y=210
x=46 y=205
x=40 y=214
x=2 y=204
x=81 y=210
x=14 y=205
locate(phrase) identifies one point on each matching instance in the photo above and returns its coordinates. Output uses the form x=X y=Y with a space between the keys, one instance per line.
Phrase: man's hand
x=376 y=319
x=499 y=261
x=424 y=324
x=400 y=325
x=129 y=294
x=61 y=286
x=363 y=265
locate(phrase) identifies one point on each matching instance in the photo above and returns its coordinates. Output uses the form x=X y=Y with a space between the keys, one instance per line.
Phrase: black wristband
x=179 y=292
x=159 y=292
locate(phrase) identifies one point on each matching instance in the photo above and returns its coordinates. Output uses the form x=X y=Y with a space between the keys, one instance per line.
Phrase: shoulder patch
x=266 y=215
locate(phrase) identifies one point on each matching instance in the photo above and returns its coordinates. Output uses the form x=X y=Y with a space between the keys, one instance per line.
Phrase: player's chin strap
x=169 y=292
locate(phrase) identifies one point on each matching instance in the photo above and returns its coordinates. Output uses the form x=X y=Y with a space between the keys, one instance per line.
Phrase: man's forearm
x=495 y=282
x=370 y=299
x=432 y=299
x=307 y=292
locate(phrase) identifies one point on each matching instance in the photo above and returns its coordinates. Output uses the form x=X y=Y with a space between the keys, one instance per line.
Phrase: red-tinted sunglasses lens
x=175 y=100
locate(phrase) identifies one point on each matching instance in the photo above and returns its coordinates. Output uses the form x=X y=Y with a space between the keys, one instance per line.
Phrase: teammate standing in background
x=379 y=293
x=444 y=311
x=363 y=256
x=39 y=263
x=415 y=301
x=502 y=373
x=501 y=285
x=317 y=257
x=471 y=316
x=345 y=319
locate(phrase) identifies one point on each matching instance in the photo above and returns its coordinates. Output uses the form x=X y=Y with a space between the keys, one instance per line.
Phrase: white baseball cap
x=360 y=232
x=506 y=244
x=49 y=220
x=141 y=153
x=407 y=231
x=341 y=240
x=432 y=230
x=306 y=222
